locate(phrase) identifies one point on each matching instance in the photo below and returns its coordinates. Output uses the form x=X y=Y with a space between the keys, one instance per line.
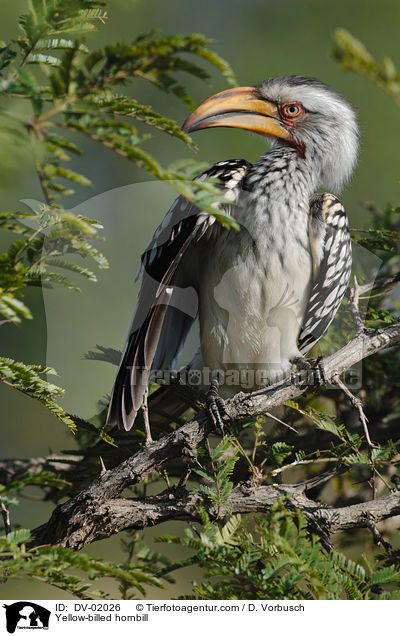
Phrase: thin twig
x=184 y=478
x=354 y=296
x=384 y=282
x=164 y=475
x=357 y=403
x=281 y=422
x=303 y=462
x=237 y=444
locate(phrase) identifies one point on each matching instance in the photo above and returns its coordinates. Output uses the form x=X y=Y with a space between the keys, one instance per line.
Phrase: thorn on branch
x=103 y=468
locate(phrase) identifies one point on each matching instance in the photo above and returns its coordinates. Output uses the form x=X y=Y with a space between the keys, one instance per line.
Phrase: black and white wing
x=167 y=301
x=332 y=267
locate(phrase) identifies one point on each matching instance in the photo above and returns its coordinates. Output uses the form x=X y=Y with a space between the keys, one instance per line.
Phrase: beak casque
x=237 y=108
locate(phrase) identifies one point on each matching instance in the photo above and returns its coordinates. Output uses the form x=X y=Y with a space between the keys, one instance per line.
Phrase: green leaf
x=52 y=171
x=48 y=60
x=71 y=571
x=12 y=308
x=60 y=43
x=27 y=379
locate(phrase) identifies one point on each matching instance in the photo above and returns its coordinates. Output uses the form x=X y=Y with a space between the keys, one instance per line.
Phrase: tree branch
x=116 y=515
x=95 y=513
x=388 y=283
x=13 y=468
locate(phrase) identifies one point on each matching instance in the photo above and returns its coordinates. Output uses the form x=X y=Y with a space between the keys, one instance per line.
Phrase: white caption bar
x=192 y=617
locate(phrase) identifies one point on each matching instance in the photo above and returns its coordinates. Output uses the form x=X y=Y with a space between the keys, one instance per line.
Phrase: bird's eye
x=291 y=110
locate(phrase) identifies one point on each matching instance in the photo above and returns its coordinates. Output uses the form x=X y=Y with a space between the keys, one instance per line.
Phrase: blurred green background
x=260 y=38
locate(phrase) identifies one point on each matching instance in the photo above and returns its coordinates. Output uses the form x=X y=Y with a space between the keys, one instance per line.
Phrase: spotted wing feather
x=332 y=267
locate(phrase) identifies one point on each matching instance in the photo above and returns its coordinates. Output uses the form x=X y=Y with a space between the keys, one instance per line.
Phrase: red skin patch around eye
x=290 y=120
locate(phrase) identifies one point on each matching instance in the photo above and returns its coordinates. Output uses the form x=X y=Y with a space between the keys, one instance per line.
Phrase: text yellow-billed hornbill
x=266 y=294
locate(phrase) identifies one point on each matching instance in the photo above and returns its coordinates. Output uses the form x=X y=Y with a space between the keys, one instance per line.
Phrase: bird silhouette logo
x=26 y=615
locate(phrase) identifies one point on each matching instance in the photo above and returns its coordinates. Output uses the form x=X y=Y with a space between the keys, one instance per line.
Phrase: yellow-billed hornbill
x=266 y=294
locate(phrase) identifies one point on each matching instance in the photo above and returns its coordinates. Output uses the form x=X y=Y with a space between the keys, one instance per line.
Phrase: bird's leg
x=145 y=410
x=315 y=373
x=215 y=405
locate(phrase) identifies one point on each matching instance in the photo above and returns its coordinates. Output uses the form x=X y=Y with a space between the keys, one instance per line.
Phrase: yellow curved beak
x=237 y=108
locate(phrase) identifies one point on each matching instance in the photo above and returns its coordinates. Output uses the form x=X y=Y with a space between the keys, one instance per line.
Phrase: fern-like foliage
x=72 y=571
x=221 y=460
x=66 y=569
x=80 y=90
x=71 y=92
x=42 y=251
x=275 y=558
x=27 y=378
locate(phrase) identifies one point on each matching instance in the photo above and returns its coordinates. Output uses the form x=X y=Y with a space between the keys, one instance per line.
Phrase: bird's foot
x=311 y=371
x=215 y=407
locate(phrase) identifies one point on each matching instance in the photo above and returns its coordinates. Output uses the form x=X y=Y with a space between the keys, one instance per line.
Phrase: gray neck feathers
x=277 y=190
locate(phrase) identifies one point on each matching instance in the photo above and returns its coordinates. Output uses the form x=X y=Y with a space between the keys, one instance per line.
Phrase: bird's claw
x=215 y=407
x=311 y=370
